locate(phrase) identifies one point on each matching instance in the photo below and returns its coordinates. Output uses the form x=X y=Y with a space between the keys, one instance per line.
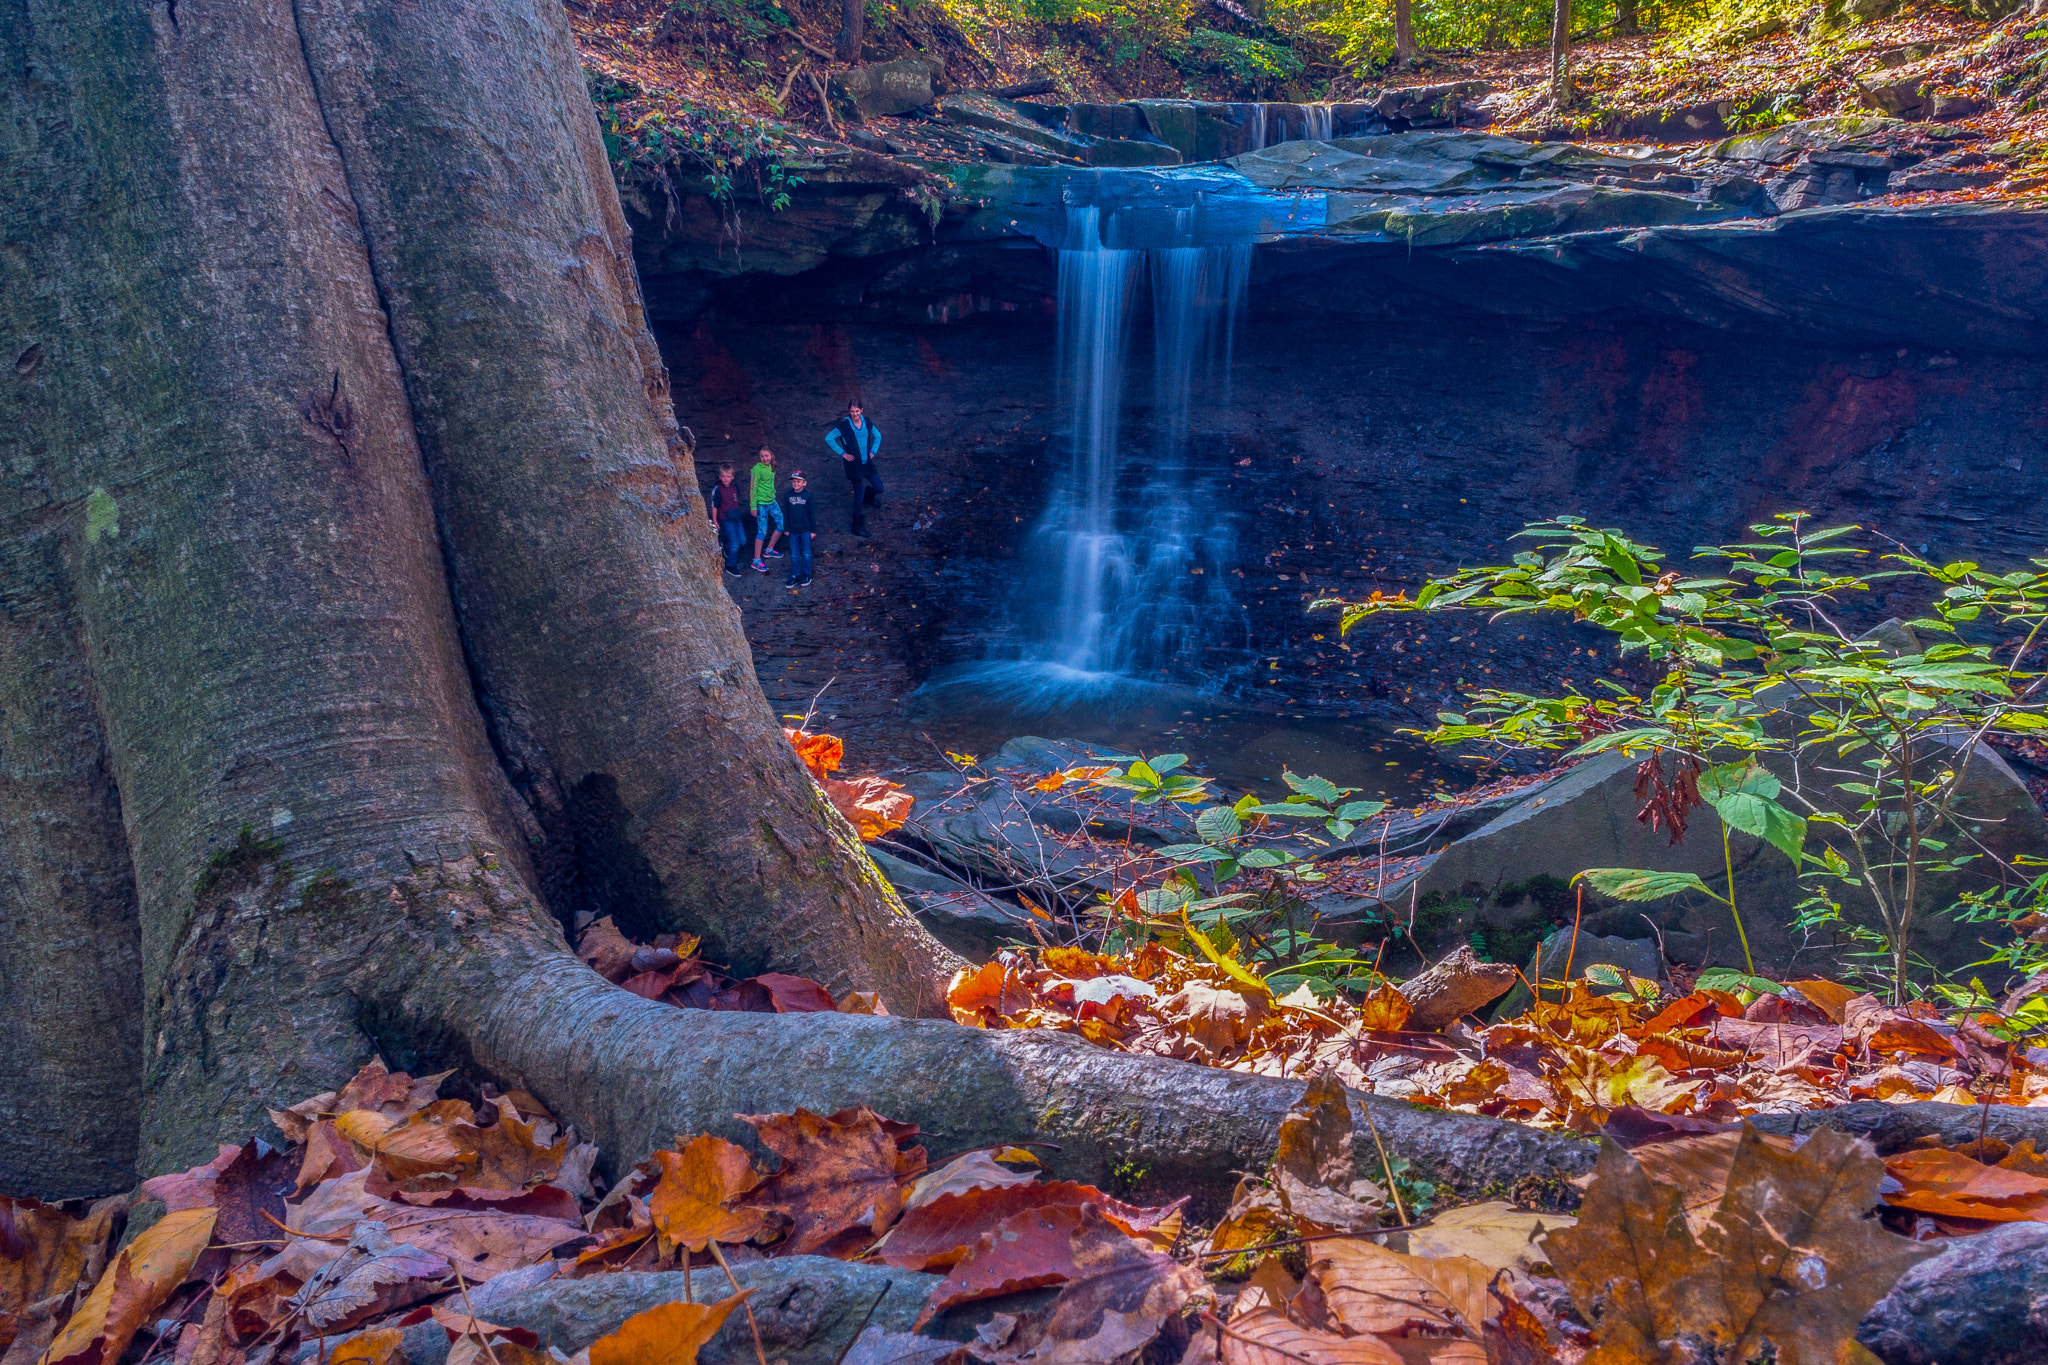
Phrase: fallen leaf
x=877 y=1347
x=145 y=1274
x=1868 y=1024
x=976 y=1170
x=510 y=1155
x=1117 y=1295
x=609 y=952
x=44 y=1251
x=820 y=753
x=1266 y=1337
x=1494 y=1234
x=356 y=1285
x=942 y=1231
x=1369 y=1289
x=1937 y=1180
x=691 y=1204
x=373 y=1346
x=872 y=805
x=1218 y=1020
x=1825 y=996
x=1797 y=1257
x=841 y=1178
x=1790 y=1258
x=1384 y=1009
x=796 y=994
x=1315 y=1136
x=670 y=1334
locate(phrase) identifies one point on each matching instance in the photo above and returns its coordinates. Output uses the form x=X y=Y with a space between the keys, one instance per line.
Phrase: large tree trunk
x=341 y=491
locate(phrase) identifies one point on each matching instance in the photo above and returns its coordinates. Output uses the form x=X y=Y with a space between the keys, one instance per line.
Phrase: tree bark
x=1626 y=21
x=853 y=22
x=1561 y=97
x=1405 y=51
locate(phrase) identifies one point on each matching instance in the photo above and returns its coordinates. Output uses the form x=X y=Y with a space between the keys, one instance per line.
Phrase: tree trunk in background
x=1626 y=23
x=853 y=22
x=1561 y=97
x=1405 y=51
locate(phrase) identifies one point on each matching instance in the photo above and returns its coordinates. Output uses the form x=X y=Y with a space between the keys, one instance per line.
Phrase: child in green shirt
x=767 y=511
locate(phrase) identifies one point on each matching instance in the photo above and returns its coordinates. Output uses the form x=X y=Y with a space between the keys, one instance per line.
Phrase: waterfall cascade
x=1135 y=536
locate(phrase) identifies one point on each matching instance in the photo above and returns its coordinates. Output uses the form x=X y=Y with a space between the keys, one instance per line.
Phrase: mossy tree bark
x=360 y=630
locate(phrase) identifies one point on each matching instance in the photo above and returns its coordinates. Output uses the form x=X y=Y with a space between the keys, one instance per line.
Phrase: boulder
x=1982 y=1301
x=809 y=1309
x=977 y=109
x=971 y=922
x=885 y=88
x=1587 y=819
x=1782 y=146
x=1428 y=106
x=1119 y=121
x=1684 y=123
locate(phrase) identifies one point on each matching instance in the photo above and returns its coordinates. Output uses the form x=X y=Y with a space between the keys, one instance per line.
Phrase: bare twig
x=474 y=1324
x=733 y=1280
x=823 y=102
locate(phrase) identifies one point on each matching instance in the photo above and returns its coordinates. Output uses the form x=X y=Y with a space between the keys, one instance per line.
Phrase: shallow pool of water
x=1245 y=748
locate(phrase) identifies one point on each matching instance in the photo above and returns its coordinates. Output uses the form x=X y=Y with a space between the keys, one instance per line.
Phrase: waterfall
x=1258 y=127
x=1322 y=122
x=1134 y=540
x=1095 y=287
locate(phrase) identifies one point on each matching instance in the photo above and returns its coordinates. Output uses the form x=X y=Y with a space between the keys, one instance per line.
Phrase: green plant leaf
x=1728 y=979
x=1741 y=795
x=1640 y=884
x=1317 y=788
x=1218 y=823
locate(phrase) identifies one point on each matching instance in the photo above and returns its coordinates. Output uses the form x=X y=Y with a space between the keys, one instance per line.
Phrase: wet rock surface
x=1983 y=1301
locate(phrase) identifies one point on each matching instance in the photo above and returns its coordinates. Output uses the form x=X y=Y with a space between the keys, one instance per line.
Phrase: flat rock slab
x=809 y=1309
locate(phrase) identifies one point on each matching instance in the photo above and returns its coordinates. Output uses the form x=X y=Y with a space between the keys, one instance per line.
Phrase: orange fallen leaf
x=872 y=805
x=44 y=1250
x=374 y=1346
x=691 y=1203
x=670 y=1334
x=820 y=753
x=1940 y=1181
x=1385 y=1008
x=1825 y=996
x=143 y=1276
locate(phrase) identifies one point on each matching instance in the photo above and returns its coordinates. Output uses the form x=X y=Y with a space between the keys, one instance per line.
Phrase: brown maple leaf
x=841 y=1180
x=1791 y=1257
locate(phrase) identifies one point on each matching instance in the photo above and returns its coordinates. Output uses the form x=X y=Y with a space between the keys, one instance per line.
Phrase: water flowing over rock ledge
x=1410 y=225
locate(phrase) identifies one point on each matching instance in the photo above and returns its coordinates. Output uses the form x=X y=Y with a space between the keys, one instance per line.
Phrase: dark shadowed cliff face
x=1390 y=415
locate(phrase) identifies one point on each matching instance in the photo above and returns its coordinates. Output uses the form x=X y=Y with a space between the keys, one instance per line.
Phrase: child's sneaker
x=805 y=582
x=735 y=573
x=760 y=567
x=775 y=554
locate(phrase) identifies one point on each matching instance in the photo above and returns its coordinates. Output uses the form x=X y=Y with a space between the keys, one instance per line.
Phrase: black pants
x=864 y=484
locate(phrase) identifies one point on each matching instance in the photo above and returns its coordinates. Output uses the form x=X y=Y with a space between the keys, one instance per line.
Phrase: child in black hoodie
x=796 y=520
